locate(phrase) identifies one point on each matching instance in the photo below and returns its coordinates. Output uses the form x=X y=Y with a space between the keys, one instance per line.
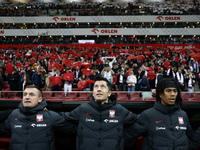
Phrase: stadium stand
x=144 y=51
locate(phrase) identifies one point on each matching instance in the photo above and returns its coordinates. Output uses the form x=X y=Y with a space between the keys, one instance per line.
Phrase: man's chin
x=28 y=107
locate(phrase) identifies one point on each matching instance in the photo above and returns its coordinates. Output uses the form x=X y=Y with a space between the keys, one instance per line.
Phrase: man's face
x=169 y=96
x=101 y=91
x=31 y=97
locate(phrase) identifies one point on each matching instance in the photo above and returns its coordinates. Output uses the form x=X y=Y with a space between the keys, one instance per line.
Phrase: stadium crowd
x=125 y=67
x=101 y=40
x=98 y=25
x=99 y=8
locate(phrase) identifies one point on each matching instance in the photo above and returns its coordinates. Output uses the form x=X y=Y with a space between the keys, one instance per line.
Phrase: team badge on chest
x=111 y=113
x=39 y=117
x=180 y=119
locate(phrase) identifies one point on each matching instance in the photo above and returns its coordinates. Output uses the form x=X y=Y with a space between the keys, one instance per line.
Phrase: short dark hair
x=161 y=86
x=35 y=86
x=100 y=78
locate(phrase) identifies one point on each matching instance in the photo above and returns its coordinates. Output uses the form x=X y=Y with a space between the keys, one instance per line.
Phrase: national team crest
x=111 y=113
x=180 y=119
x=39 y=117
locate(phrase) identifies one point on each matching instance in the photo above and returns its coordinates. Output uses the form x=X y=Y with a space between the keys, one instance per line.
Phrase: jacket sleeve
x=193 y=136
x=72 y=116
x=5 y=123
x=61 y=124
x=138 y=128
x=129 y=117
x=4 y=114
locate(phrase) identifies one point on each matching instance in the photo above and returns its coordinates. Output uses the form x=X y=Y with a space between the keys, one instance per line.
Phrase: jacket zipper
x=81 y=137
x=99 y=140
x=27 y=133
x=172 y=133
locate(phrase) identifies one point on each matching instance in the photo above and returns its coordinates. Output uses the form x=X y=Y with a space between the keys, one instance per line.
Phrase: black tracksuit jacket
x=101 y=127
x=32 y=129
x=165 y=128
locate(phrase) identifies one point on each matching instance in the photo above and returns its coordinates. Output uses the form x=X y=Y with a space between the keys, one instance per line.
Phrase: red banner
x=82 y=46
x=55 y=81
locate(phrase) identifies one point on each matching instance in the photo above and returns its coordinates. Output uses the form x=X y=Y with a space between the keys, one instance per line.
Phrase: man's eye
x=103 y=86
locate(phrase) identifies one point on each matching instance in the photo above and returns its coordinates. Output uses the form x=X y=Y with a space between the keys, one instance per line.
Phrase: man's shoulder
x=149 y=111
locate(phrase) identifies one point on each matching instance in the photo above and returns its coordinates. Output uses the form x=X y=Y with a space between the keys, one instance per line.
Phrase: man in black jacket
x=31 y=126
x=165 y=126
x=101 y=122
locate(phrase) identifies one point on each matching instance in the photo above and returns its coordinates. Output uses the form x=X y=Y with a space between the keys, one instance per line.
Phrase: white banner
x=97 y=19
x=99 y=31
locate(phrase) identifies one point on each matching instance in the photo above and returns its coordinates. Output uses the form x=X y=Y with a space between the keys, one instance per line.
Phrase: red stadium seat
x=13 y=95
x=83 y=97
x=47 y=95
x=135 y=99
x=4 y=143
x=122 y=97
x=196 y=95
x=58 y=95
x=192 y=99
x=150 y=99
x=71 y=95
x=185 y=96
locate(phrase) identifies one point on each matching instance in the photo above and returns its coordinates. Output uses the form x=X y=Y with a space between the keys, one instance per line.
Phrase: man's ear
x=40 y=99
x=109 y=93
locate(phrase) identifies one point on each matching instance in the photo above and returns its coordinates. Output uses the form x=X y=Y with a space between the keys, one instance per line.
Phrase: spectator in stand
x=29 y=72
x=143 y=83
x=108 y=74
x=180 y=79
x=57 y=87
x=195 y=67
x=1 y=82
x=67 y=84
x=37 y=66
x=96 y=66
x=166 y=125
x=22 y=73
x=116 y=68
x=77 y=75
x=37 y=78
x=46 y=66
x=14 y=80
x=92 y=77
x=131 y=82
x=47 y=82
x=171 y=72
x=83 y=77
x=190 y=82
x=2 y=71
x=53 y=72
x=22 y=85
x=121 y=80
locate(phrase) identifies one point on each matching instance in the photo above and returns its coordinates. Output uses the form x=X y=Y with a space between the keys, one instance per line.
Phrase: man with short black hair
x=101 y=122
x=31 y=126
x=165 y=126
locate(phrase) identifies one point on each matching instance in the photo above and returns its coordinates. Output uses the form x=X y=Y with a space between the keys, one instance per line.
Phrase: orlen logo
x=55 y=18
x=159 y=18
x=1 y=31
x=95 y=31
x=168 y=18
x=104 y=31
x=64 y=19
